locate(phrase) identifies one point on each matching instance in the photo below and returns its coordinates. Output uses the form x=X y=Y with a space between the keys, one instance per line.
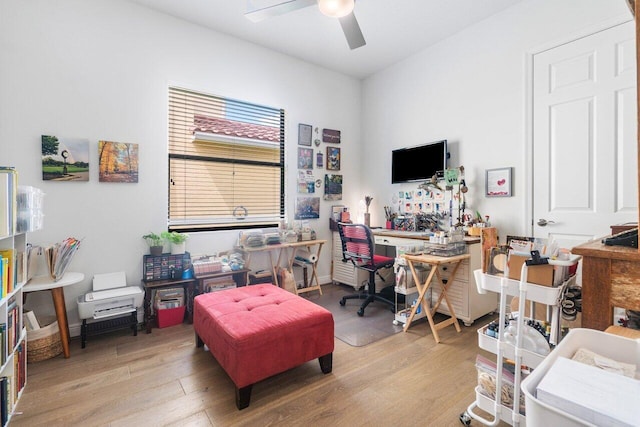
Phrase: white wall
x=470 y=89
x=100 y=70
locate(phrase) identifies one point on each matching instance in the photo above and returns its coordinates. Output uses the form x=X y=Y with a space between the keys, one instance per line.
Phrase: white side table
x=44 y=283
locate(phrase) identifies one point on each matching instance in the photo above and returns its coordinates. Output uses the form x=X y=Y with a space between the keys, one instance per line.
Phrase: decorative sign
x=330 y=135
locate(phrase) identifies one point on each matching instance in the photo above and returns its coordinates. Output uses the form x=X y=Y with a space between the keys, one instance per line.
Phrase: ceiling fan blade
x=259 y=14
x=352 y=31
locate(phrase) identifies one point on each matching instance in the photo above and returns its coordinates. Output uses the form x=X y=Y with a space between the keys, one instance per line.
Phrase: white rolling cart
x=515 y=349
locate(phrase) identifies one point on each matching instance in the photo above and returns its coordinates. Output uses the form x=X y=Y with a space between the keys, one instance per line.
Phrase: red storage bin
x=170 y=316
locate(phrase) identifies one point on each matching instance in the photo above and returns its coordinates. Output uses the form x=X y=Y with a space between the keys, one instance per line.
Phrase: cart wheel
x=465 y=419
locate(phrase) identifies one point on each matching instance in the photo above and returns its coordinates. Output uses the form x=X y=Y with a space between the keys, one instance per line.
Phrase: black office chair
x=358 y=247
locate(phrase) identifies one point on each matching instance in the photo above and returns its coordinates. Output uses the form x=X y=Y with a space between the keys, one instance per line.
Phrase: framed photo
x=333 y=187
x=498 y=182
x=333 y=159
x=304 y=134
x=307 y=208
x=305 y=158
x=331 y=135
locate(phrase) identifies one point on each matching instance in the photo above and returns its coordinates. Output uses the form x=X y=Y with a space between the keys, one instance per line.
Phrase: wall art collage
x=312 y=156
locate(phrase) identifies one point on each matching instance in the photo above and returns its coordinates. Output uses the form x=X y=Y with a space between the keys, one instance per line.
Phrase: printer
x=110 y=297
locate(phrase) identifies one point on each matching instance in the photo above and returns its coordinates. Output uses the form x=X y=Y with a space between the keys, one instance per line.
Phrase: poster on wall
x=332 y=187
x=331 y=136
x=306 y=182
x=65 y=159
x=307 y=208
x=333 y=158
x=305 y=158
x=118 y=162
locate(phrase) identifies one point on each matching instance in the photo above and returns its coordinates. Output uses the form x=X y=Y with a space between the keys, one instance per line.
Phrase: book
x=5 y=276
x=11 y=275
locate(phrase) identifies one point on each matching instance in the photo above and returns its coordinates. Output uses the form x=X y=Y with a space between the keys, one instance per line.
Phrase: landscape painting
x=118 y=161
x=65 y=159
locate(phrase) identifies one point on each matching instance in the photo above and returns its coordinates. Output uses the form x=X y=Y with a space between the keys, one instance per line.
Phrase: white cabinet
x=13 y=350
x=348 y=274
x=13 y=275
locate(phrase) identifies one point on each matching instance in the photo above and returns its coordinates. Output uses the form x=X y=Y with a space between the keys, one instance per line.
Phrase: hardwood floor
x=163 y=379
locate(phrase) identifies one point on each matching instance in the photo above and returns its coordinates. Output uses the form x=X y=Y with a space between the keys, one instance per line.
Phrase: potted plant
x=155 y=242
x=177 y=241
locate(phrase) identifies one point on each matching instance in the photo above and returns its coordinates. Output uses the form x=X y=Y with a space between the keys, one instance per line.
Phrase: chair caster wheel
x=342 y=302
x=396 y=323
x=361 y=312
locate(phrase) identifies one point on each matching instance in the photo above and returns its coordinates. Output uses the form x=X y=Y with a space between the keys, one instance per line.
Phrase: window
x=226 y=163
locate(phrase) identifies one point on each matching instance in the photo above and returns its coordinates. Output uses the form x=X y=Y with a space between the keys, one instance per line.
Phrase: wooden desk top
x=285 y=245
x=596 y=249
x=435 y=260
x=415 y=235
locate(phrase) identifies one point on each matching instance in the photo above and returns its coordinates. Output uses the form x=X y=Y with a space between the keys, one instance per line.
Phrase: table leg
x=61 y=315
x=147 y=310
x=422 y=290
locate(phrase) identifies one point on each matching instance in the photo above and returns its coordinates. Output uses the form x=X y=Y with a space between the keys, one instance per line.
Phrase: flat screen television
x=418 y=163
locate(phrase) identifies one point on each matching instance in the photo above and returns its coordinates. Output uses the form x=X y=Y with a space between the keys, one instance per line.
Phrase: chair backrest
x=357 y=244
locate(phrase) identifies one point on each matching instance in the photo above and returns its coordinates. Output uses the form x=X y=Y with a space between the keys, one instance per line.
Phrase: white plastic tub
x=613 y=346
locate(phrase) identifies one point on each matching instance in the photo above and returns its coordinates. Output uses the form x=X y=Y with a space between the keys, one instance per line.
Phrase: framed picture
x=65 y=159
x=118 y=162
x=307 y=208
x=333 y=187
x=331 y=135
x=498 y=182
x=304 y=134
x=305 y=158
x=333 y=159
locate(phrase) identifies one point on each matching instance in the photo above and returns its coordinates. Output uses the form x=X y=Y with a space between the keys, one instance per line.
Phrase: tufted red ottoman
x=258 y=331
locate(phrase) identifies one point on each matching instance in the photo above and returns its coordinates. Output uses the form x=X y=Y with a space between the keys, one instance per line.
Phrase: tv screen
x=418 y=163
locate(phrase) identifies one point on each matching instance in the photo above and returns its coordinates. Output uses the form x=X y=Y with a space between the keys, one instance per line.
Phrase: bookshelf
x=13 y=351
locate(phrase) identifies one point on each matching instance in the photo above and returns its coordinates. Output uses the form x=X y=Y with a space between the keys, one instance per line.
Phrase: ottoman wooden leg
x=199 y=342
x=243 y=396
x=326 y=363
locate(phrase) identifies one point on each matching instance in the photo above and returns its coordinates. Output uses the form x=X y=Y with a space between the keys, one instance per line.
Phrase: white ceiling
x=393 y=29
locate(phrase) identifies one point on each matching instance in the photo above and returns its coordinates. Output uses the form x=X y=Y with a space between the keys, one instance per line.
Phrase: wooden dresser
x=610 y=278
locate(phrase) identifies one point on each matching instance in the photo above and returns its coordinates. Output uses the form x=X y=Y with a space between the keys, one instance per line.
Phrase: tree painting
x=118 y=161
x=65 y=159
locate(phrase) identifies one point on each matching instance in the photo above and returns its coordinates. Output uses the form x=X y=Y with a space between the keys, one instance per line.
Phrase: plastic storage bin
x=170 y=316
x=622 y=349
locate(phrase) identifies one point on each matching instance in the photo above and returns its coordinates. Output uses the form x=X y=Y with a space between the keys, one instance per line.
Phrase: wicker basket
x=43 y=343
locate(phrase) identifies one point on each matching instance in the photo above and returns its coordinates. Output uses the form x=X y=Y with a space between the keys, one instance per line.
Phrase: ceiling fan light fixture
x=336 y=8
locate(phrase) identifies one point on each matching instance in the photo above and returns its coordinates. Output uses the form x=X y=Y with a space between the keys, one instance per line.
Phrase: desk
x=288 y=252
x=434 y=262
x=610 y=278
x=46 y=283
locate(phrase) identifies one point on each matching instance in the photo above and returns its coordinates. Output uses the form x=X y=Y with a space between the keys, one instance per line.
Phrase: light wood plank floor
x=163 y=379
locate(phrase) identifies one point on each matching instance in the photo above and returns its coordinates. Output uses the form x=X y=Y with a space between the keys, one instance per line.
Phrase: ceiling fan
x=341 y=9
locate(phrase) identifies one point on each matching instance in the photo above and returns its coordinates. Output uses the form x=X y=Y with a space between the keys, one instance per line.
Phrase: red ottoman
x=258 y=331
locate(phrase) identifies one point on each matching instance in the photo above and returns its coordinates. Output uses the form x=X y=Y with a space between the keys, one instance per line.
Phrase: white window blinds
x=226 y=163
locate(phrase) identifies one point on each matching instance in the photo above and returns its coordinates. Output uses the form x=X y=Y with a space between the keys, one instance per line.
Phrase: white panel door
x=584 y=136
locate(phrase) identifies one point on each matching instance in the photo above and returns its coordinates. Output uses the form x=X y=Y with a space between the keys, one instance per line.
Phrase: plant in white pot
x=155 y=242
x=177 y=241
